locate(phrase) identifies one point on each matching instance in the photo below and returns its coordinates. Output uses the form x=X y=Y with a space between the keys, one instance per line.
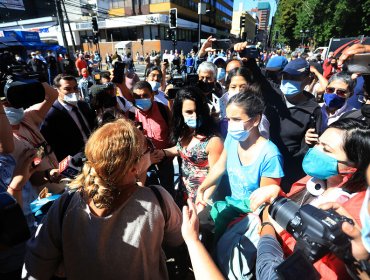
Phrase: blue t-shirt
x=244 y=179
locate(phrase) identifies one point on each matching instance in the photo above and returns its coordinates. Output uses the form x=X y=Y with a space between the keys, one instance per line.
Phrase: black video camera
x=318 y=232
x=179 y=81
x=19 y=87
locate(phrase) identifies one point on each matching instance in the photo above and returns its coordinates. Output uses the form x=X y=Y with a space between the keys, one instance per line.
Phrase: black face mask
x=205 y=87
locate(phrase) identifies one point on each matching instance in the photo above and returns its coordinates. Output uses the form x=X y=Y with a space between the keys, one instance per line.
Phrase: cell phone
x=221 y=44
x=165 y=60
x=40 y=154
x=250 y=52
x=359 y=63
x=171 y=93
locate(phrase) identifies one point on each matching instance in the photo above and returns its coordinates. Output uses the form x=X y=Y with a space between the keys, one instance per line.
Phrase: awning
x=10 y=42
x=57 y=48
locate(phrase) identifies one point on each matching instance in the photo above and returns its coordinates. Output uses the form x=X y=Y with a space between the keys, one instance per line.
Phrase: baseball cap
x=297 y=67
x=276 y=63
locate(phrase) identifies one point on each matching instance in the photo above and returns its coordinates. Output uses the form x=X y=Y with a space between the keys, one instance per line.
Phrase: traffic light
x=95 y=25
x=173 y=18
x=174 y=37
x=168 y=34
x=242 y=21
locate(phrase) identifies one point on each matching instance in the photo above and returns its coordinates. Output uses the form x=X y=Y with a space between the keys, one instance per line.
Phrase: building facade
x=120 y=20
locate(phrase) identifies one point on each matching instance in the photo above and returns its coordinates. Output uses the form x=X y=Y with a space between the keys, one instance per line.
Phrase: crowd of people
x=244 y=131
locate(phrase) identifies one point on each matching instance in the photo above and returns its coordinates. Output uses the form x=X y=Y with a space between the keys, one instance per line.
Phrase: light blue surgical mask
x=365 y=221
x=290 y=87
x=14 y=115
x=319 y=165
x=143 y=104
x=155 y=85
x=190 y=122
x=221 y=74
x=236 y=131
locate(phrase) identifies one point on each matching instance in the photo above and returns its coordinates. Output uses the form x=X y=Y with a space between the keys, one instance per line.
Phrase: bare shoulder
x=215 y=144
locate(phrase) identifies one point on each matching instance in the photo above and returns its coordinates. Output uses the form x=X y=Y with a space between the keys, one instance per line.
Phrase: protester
x=109 y=204
x=155 y=120
x=80 y=64
x=244 y=145
x=155 y=77
x=196 y=139
x=340 y=87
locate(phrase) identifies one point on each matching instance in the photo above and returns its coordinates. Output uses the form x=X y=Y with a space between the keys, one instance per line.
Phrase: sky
x=250 y=4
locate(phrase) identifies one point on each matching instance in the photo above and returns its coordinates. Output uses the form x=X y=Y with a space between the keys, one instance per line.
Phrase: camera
x=19 y=87
x=179 y=81
x=318 y=232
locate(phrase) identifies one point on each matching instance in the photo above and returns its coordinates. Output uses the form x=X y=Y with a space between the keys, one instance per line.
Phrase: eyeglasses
x=362 y=98
x=149 y=147
x=338 y=91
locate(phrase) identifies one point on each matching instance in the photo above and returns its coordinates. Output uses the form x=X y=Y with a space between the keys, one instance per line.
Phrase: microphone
x=70 y=167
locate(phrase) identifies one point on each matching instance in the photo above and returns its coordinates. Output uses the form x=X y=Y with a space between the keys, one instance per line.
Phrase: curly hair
x=110 y=152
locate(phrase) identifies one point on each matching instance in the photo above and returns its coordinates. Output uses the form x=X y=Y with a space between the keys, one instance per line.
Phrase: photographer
x=336 y=167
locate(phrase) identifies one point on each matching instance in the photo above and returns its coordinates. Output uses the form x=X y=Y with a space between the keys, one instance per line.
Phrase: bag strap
x=160 y=200
x=164 y=113
x=65 y=206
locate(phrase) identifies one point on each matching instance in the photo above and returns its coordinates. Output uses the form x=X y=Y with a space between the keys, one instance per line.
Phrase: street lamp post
x=201 y=11
x=303 y=34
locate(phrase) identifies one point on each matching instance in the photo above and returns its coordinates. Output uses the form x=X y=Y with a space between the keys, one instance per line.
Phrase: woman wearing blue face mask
x=197 y=143
x=340 y=87
x=336 y=169
x=250 y=160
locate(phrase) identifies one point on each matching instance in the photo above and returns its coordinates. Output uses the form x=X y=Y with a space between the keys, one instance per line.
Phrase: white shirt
x=75 y=118
x=327 y=120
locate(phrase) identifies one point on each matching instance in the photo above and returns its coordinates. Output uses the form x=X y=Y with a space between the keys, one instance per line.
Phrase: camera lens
x=283 y=210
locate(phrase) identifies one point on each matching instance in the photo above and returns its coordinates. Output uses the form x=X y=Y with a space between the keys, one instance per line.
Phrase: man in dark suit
x=69 y=122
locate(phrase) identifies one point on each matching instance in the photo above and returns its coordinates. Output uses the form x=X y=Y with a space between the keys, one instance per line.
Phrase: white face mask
x=71 y=99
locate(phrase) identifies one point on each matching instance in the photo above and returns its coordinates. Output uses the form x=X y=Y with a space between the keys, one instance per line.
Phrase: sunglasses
x=149 y=147
x=337 y=91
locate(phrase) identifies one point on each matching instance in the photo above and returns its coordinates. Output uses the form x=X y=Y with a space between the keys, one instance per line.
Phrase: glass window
x=117 y=4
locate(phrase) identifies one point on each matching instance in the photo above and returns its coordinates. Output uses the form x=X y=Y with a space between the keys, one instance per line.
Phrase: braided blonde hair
x=110 y=151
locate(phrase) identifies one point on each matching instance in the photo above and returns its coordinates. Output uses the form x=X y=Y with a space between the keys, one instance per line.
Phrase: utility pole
x=69 y=27
x=61 y=24
x=201 y=11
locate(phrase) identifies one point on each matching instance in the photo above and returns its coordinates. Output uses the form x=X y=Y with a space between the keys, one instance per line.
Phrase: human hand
x=207 y=45
x=54 y=176
x=353 y=231
x=23 y=170
x=200 y=200
x=190 y=223
x=169 y=86
x=313 y=69
x=157 y=156
x=311 y=137
x=240 y=46
x=262 y=195
x=355 y=49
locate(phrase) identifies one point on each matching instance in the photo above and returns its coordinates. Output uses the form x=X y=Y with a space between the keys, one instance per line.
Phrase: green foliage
x=324 y=18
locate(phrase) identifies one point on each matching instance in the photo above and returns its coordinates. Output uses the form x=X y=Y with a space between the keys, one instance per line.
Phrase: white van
x=320 y=50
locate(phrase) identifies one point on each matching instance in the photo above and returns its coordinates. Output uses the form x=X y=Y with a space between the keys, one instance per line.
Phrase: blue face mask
x=290 y=88
x=319 y=165
x=14 y=115
x=365 y=221
x=221 y=74
x=143 y=104
x=155 y=85
x=236 y=131
x=192 y=123
x=334 y=101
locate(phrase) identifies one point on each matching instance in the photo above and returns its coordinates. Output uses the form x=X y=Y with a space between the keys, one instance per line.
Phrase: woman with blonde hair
x=113 y=226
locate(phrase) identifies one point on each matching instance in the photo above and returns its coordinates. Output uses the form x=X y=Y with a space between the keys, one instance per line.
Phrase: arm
x=206 y=45
x=203 y=265
x=213 y=176
x=322 y=81
x=51 y=94
x=214 y=150
x=125 y=91
x=22 y=172
x=6 y=134
x=164 y=66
